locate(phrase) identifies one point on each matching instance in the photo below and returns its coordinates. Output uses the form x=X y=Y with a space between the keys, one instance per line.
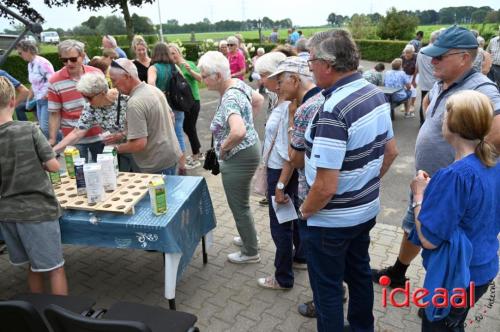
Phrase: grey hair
x=337 y=47
x=223 y=42
x=409 y=48
x=261 y=51
x=301 y=45
x=71 y=44
x=268 y=63
x=126 y=64
x=434 y=35
x=27 y=46
x=214 y=62
x=480 y=41
x=233 y=40
x=92 y=84
x=112 y=40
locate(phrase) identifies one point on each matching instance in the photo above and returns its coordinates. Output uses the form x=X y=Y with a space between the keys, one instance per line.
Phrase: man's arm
x=322 y=190
x=390 y=153
x=54 y=125
x=22 y=94
x=132 y=145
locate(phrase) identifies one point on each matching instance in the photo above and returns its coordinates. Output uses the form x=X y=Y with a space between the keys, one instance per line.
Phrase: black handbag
x=211 y=163
x=179 y=94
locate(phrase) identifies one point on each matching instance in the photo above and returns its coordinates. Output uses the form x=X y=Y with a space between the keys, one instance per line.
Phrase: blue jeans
x=285 y=235
x=168 y=171
x=335 y=255
x=179 y=132
x=21 y=112
x=42 y=113
x=95 y=149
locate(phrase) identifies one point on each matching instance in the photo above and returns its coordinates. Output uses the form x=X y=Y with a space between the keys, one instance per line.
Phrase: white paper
x=284 y=212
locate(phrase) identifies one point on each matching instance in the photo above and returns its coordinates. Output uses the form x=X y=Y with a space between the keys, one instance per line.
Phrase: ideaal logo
x=440 y=299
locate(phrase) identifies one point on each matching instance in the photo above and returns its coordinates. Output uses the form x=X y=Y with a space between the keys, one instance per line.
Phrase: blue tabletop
x=190 y=215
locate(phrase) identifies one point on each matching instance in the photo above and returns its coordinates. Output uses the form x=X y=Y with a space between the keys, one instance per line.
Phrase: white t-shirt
x=277 y=121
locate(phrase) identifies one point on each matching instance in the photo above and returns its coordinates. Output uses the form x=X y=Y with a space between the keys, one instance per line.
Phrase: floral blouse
x=105 y=117
x=236 y=100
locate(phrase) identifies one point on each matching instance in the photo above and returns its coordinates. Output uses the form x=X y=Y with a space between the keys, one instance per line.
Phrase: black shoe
x=421 y=313
x=307 y=309
x=396 y=280
x=264 y=201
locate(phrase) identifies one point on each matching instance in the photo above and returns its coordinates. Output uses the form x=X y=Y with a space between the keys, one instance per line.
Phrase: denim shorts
x=36 y=243
x=409 y=218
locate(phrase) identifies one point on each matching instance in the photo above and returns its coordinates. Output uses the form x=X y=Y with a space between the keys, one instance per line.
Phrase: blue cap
x=454 y=37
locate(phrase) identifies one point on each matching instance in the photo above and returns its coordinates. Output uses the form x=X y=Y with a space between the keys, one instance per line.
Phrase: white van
x=49 y=37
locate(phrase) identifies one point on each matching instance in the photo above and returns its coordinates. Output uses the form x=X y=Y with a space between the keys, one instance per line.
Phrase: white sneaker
x=238 y=242
x=239 y=258
x=191 y=164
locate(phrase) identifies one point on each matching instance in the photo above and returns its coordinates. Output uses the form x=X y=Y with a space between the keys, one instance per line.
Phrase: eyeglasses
x=231 y=44
x=72 y=59
x=441 y=57
x=117 y=65
x=311 y=61
x=89 y=98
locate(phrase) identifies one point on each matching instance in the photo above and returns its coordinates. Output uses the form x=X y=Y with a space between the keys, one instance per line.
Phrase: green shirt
x=193 y=83
x=26 y=193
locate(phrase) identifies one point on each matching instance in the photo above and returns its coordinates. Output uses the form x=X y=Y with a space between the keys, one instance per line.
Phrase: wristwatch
x=415 y=204
x=280 y=186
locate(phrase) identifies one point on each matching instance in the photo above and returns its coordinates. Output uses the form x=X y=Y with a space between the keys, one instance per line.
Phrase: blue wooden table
x=190 y=218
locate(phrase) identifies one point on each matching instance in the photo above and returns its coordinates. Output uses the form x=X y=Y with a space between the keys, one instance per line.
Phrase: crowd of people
x=328 y=142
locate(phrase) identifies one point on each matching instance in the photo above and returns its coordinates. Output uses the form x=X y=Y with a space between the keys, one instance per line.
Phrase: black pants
x=422 y=118
x=455 y=320
x=189 y=127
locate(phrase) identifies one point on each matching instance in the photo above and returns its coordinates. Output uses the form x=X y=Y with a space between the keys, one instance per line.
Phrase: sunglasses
x=441 y=57
x=231 y=44
x=117 y=65
x=71 y=59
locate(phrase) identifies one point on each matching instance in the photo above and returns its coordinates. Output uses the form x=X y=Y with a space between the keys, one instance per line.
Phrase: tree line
x=447 y=15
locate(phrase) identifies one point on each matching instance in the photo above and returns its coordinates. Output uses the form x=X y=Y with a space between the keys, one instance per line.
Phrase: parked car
x=49 y=37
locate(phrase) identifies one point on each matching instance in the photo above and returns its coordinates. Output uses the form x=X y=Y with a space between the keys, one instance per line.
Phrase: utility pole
x=159 y=18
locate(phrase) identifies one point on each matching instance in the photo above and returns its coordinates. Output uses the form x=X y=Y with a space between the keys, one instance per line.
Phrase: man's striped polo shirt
x=349 y=134
x=65 y=98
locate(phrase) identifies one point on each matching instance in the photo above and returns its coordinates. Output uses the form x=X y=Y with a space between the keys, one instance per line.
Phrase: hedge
x=372 y=50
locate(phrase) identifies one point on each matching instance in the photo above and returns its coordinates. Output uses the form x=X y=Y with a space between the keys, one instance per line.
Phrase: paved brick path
x=224 y=296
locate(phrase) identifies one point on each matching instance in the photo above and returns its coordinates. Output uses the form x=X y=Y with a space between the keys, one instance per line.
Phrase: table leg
x=171 y=267
x=204 y=249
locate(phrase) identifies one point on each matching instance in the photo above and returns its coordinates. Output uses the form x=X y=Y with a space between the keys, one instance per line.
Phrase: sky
x=192 y=11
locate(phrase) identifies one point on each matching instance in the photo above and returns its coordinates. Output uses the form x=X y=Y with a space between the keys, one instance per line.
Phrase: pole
x=159 y=18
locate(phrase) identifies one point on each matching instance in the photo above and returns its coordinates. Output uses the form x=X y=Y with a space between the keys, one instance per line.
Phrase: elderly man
x=150 y=131
x=349 y=146
x=425 y=74
x=109 y=41
x=452 y=54
x=494 y=50
x=66 y=103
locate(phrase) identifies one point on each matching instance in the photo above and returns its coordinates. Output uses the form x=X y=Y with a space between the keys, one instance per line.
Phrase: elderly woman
x=483 y=61
x=105 y=108
x=457 y=213
x=223 y=47
x=192 y=75
x=409 y=59
x=39 y=72
x=159 y=75
x=142 y=60
x=396 y=78
x=237 y=147
x=281 y=176
x=236 y=57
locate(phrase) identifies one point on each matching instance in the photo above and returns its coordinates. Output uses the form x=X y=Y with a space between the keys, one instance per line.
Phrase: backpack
x=179 y=94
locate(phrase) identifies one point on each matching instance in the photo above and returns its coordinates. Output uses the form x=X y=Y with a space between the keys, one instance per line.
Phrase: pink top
x=236 y=63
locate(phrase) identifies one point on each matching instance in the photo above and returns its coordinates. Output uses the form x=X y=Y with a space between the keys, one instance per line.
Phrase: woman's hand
x=419 y=183
x=114 y=138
